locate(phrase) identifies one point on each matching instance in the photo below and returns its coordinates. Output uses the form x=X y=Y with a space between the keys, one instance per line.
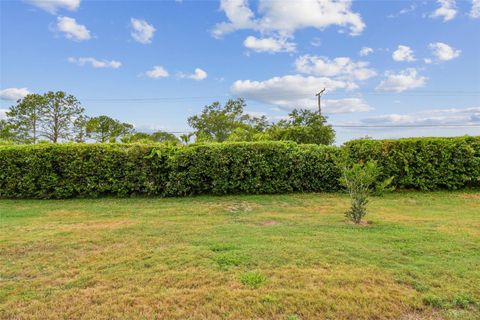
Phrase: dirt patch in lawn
x=98 y=225
x=269 y=223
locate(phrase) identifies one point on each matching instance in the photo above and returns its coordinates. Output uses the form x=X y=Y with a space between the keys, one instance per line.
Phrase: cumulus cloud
x=157 y=72
x=13 y=94
x=347 y=105
x=288 y=91
x=475 y=10
x=269 y=44
x=3 y=114
x=443 y=52
x=198 y=75
x=403 y=53
x=71 y=29
x=286 y=17
x=447 y=10
x=451 y=116
x=404 y=80
x=409 y=9
x=113 y=64
x=341 y=67
x=365 y=51
x=52 y=6
x=142 y=31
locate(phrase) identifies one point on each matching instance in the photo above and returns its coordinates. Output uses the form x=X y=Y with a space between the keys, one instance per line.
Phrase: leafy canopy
x=105 y=129
x=303 y=126
x=217 y=123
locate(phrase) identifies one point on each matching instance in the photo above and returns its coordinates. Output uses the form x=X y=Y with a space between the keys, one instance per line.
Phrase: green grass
x=241 y=257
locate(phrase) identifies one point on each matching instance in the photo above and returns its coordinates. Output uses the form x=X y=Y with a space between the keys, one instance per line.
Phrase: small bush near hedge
x=90 y=170
x=423 y=163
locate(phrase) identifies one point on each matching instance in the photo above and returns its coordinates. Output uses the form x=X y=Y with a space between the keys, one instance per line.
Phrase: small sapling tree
x=361 y=181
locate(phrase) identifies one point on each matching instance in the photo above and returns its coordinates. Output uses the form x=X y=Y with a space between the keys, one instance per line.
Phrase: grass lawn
x=241 y=257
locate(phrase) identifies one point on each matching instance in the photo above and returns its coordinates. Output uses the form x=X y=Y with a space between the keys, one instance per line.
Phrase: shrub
x=423 y=163
x=361 y=180
x=67 y=170
x=91 y=170
x=253 y=168
x=252 y=279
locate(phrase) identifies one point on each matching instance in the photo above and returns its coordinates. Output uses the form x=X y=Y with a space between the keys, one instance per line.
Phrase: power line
x=383 y=126
x=365 y=93
x=410 y=126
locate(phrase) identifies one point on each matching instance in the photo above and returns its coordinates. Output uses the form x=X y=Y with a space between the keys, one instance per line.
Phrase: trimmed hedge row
x=423 y=163
x=90 y=170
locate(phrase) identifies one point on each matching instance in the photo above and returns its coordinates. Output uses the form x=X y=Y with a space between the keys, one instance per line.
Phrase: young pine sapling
x=361 y=181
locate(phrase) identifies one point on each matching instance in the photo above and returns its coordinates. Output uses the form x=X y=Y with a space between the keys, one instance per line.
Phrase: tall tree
x=162 y=136
x=25 y=117
x=6 y=131
x=159 y=136
x=303 y=126
x=80 y=129
x=59 y=114
x=105 y=129
x=217 y=122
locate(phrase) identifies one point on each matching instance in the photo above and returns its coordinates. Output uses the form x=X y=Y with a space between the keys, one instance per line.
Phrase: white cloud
x=475 y=11
x=443 y=51
x=409 y=9
x=239 y=15
x=198 y=75
x=403 y=53
x=72 y=29
x=428 y=60
x=402 y=81
x=316 y=42
x=341 y=67
x=348 y=105
x=286 y=17
x=269 y=44
x=13 y=94
x=95 y=63
x=429 y=117
x=3 y=114
x=157 y=72
x=447 y=10
x=142 y=31
x=256 y=114
x=288 y=91
x=52 y=6
x=365 y=51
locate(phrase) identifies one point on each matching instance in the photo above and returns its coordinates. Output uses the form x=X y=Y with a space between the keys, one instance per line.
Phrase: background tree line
x=59 y=117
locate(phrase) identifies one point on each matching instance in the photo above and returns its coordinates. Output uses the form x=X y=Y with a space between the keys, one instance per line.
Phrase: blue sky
x=154 y=63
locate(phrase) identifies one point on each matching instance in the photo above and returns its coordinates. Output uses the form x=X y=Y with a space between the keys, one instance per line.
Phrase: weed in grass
x=268 y=299
x=293 y=317
x=231 y=259
x=420 y=287
x=219 y=247
x=435 y=302
x=463 y=301
x=253 y=279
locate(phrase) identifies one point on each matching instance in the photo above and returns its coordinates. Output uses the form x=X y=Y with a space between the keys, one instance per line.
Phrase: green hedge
x=90 y=170
x=423 y=163
x=268 y=167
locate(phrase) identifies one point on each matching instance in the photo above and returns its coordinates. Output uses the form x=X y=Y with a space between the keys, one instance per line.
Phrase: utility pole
x=319 y=95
